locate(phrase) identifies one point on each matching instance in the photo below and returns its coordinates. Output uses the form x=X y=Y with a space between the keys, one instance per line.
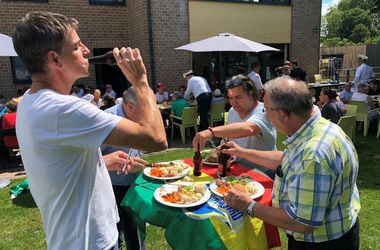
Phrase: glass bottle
x=222 y=161
x=107 y=58
x=197 y=161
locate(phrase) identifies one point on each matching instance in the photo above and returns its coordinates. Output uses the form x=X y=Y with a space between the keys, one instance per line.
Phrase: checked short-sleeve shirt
x=318 y=183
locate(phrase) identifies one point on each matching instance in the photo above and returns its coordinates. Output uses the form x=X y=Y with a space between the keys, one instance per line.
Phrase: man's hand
x=115 y=161
x=233 y=149
x=131 y=63
x=237 y=200
x=137 y=164
x=201 y=138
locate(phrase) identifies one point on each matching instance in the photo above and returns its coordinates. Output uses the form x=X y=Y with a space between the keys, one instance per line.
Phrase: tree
x=351 y=22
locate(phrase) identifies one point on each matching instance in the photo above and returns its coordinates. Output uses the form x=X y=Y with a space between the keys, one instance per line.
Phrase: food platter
x=209 y=157
x=171 y=170
x=166 y=189
x=251 y=184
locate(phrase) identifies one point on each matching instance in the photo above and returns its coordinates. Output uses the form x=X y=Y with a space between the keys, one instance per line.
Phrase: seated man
x=247 y=125
x=161 y=94
x=346 y=94
x=179 y=103
x=217 y=97
x=8 y=121
x=362 y=95
x=374 y=87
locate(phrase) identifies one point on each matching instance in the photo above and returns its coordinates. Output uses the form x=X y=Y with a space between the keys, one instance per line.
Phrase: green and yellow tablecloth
x=212 y=225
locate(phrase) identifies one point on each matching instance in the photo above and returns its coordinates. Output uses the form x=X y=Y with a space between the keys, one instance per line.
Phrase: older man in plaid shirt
x=315 y=197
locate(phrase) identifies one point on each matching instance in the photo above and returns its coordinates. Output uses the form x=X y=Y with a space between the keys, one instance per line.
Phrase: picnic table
x=212 y=225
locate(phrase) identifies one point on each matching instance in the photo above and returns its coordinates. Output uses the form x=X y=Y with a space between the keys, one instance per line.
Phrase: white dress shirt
x=363 y=74
x=256 y=79
x=196 y=85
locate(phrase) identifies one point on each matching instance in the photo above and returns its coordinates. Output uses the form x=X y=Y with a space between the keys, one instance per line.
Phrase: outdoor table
x=212 y=225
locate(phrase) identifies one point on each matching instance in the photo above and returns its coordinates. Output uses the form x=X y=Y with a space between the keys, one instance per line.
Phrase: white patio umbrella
x=226 y=42
x=6 y=46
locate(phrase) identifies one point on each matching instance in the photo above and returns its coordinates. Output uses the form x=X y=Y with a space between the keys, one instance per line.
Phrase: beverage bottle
x=222 y=162
x=107 y=58
x=197 y=161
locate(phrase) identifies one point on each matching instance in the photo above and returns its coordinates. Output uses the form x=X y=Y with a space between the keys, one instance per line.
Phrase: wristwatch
x=250 y=208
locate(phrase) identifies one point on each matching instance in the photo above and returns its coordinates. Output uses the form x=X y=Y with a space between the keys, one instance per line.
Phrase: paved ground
x=11 y=169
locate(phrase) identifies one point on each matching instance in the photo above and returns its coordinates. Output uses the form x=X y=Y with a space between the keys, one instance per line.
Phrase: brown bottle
x=107 y=58
x=222 y=162
x=197 y=161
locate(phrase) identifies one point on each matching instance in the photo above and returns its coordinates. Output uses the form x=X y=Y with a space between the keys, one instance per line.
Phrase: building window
x=279 y=2
x=19 y=71
x=108 y=2
x=40 y=1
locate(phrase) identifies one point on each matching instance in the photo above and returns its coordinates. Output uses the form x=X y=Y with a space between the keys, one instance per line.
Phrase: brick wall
x=171 y=30
x=101 y=26
x=304 y=47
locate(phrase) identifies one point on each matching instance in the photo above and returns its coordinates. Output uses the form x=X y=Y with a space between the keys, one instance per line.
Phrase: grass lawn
x=21 y=226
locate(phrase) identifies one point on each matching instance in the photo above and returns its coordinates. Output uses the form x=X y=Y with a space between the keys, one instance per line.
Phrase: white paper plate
x=174 y=187
x=259 y=186
x=183 y=174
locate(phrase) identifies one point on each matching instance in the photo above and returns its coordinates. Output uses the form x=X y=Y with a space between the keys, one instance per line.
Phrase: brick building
x=158 y=26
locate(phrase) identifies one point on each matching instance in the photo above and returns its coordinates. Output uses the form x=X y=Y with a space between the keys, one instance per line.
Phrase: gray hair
x=290 y=95
x=130 y=96
x=38 y=33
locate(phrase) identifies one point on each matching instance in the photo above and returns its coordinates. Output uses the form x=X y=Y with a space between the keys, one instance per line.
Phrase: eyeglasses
x=271 y=109
x=276 y=109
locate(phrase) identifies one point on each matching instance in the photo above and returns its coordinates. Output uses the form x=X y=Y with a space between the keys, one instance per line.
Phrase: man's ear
x=285 y=115
x=53 y=57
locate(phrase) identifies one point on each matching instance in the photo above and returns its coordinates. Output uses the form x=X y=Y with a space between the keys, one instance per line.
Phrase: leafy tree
x=351 y=22
x=359 y=33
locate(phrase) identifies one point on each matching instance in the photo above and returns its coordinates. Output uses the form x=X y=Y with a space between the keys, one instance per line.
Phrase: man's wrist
x=250 y=207
x=212 y=132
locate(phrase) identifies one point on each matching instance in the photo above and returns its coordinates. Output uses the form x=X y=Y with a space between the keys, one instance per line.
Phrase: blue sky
x=326 y=4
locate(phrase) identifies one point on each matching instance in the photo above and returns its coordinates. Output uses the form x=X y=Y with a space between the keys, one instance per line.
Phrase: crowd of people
x=84 y=160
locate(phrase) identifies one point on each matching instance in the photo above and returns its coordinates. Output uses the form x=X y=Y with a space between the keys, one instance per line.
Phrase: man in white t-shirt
x=247 y=124
x=363 y=74
x=255 y=77
x=60 y=135
x=198 y=86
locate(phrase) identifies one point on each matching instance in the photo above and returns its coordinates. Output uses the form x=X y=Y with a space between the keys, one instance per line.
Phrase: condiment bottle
x=107 y=58
x=197 y=161
x=222 y=161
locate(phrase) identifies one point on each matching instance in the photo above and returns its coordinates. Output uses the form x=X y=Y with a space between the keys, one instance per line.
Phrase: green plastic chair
x=362 y=114
x=351 y=109
x=348 y=125
x=216 y=113
x=225 y=118
x=188 y=119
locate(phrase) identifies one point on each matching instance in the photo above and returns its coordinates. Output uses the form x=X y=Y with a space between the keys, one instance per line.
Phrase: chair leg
x=172 y=130
x=183 y=134
x=366 y=126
